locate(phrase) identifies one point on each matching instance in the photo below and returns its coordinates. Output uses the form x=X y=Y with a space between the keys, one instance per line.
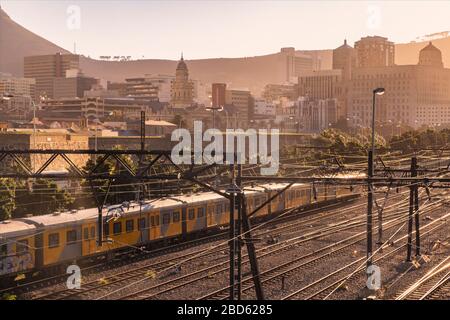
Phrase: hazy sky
x=205 y=29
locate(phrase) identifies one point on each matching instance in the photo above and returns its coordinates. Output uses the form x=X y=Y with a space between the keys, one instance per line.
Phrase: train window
x=211 y=210
x=129 y=225
x=22 y=246
x=227 y=207
x=166 y=218
x=219 y=209
x=53 y=240
x=176 y=216
x=86 y=233
x=191 y=214
x=141 y=224
x=106 y=229
x=157 y=220
x=92 y=232
x=200 y=212
x=3 y=250
x=117 y=227
x=71 y=236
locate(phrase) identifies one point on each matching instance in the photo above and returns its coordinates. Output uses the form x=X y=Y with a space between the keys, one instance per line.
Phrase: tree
x=122 y=189
x=7 y=198
x=43 y=197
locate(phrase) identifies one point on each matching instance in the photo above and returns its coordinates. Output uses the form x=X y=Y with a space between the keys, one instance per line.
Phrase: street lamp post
x=377 y=91
x=214 y=109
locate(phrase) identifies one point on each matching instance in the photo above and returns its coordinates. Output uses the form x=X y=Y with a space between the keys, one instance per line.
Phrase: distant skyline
x=211 y=29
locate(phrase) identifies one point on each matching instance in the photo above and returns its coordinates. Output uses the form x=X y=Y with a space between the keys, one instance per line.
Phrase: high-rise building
x=241 y=100
x=22 y=91
x=150 y=87
x=415 y=94
x=316 y=115
x=295 y=63
x=375 y=52
x=73 y=85
x=218 y=94
x=119 y=87
x=321 y=84
x=17 y=86
x=141 y=88
x=344 y=58
x=182 y=89
x=45 y=68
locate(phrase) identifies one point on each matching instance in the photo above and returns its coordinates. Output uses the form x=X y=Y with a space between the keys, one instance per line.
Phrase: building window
x=71 y=236
x=53 y=240
x=117 y=227
x=129 y=225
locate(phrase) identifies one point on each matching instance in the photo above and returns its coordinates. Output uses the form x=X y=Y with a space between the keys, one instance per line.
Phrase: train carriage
x=17 y=246
x=58 y=239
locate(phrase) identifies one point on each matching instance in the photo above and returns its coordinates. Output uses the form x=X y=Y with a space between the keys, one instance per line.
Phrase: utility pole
x=142 y=130
x=412 y=191
x=416 y=208
x=369 y=208
x=238 y=226
x=233 y=190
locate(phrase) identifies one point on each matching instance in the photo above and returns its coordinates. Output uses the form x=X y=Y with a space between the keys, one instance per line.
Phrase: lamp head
x=379 y=91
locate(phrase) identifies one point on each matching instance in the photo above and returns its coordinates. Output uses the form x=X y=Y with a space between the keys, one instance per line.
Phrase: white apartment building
x=263 y=107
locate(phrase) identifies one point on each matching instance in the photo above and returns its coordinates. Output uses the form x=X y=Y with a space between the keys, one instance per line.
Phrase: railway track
x=358 y=267
x=434 y=284
x=211 y=271
x=314 y=258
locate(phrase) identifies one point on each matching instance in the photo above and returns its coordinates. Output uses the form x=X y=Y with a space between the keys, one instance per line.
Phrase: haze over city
x=212 y=29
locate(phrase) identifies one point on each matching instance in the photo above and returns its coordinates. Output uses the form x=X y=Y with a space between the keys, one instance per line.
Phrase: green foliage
x=334 y=142
x=43 y=197
x=123 y=189
x=415 y=140
x=7 y=198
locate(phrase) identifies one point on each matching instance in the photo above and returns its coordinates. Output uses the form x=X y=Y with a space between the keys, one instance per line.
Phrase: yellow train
x=53 y=241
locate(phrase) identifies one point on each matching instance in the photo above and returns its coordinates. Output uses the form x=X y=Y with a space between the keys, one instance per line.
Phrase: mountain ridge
x=248 y=72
